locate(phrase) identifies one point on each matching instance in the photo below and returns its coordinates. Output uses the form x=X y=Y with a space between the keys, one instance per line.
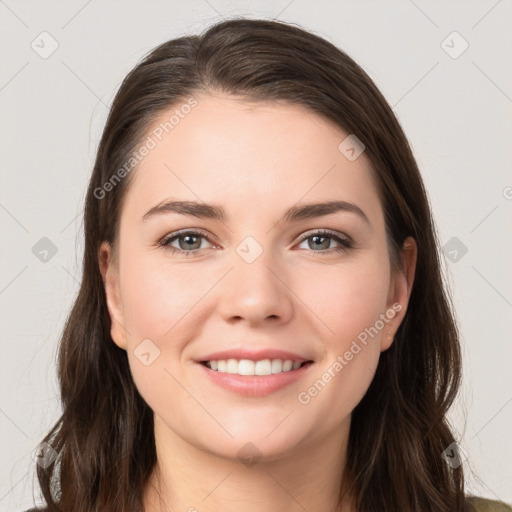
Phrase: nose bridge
x=254 y=289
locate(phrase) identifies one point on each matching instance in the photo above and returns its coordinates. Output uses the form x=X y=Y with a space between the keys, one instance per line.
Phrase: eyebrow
x=293 y=214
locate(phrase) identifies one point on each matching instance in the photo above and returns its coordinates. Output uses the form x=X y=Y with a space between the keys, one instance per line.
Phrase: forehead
x=252 y=157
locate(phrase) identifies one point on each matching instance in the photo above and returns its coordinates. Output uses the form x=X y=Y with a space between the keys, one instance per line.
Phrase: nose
x=256 y=293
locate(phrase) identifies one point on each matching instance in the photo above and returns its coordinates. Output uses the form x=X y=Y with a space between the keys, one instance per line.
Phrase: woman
x=262 y=322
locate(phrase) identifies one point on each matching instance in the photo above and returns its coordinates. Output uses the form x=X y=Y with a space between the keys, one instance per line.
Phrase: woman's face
x=254 y=282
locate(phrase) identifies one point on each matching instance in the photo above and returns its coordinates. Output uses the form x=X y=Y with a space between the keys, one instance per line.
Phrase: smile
x=239 y=375
x=249 y=367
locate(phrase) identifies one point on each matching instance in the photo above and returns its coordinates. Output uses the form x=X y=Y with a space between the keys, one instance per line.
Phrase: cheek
x=158 y=305
x=166 y=301
x=158 y=298
x=350 y=302
x=347 y=298
x=161 y=311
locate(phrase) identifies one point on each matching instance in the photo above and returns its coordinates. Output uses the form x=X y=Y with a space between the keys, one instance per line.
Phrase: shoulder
x=477 y=504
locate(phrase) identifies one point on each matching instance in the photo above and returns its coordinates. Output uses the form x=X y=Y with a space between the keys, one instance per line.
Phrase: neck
x=190 y=479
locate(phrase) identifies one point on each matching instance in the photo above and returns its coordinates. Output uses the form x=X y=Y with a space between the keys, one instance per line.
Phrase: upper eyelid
x=326 y=232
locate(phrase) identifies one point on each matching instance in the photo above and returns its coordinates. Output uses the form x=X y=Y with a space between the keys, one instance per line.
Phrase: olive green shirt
x=484 y=505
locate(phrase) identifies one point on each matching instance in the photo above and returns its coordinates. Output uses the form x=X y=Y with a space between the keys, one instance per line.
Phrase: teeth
x=248 y=367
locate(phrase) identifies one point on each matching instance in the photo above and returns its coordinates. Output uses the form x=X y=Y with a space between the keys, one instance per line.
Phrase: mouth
x=261 y=367
x=254 y=377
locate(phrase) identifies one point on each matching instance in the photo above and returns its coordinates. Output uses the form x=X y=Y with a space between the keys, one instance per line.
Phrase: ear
x=110 y=275
x=400 y=292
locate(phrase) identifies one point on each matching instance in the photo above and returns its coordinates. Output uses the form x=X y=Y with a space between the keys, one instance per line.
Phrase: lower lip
x=254 y=385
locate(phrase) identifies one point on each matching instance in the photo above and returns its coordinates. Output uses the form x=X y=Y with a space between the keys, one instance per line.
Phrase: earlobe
x=110 y=277
x=400 y=291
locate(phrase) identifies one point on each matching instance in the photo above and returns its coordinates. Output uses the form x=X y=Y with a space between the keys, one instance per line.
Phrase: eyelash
x=345 y=242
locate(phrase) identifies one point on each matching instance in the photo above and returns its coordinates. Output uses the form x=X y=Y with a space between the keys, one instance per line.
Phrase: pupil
x=315 y=238
x=189 y=239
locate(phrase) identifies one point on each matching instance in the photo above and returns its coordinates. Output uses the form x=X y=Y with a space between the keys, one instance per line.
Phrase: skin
x=255 y=160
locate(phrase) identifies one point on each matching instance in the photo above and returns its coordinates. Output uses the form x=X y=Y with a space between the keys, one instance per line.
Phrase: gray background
x=455 y=111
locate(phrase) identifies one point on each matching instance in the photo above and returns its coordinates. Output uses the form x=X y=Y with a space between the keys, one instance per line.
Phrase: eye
x=322 y=239
x=188 y=242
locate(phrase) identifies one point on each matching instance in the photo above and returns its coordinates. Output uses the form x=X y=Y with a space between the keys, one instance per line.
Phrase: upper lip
x=254 y=355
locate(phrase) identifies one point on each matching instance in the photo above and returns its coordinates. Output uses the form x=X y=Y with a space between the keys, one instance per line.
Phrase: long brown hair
x=104 y=438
